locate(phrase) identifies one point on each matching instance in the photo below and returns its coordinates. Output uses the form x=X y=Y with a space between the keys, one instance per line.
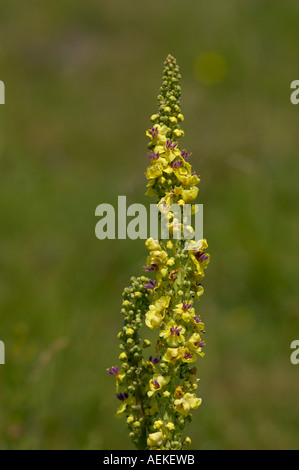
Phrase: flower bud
x=158 y=424
x=170 y=426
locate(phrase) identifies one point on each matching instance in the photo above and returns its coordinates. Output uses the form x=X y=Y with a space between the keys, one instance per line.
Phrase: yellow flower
x=153 y=318
x=168 y=149
x=158 y=134
x=124 y=404
x=196 y=344
x=190 y=194
x=185 y=310
x=173 y=333
x=198 y=256
x=155 y=170
x=165 y=202
x=152 y=245
x=155 y=439
x=186 y=355
x=156 y=383
x=188 y=402
x=156 y=312
x=200 y=291
x=157 y=257
x=185 y=176
x=171 y=355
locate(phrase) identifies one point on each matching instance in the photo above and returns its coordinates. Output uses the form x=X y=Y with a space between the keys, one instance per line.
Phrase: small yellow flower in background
x=155 y=439
x=156 y=383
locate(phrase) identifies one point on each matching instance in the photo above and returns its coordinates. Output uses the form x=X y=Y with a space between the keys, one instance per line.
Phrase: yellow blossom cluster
x=159 y=391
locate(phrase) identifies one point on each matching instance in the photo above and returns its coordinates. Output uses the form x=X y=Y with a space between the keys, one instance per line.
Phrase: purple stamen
x=201 y=256
x=156 y=384
x=150 y=285
x=197 y=319
x=170 y=145
x=174 y=330
x=176 y=164
x=187 y=355
x=185 y=155
x=152 y=267
x=154 y=131
x=113 y=371
x=154 y=360
x=186 y=306
x=122 y=396
x=153 y=155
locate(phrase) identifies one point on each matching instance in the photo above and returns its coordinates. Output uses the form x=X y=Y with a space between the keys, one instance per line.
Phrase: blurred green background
x=81 y=82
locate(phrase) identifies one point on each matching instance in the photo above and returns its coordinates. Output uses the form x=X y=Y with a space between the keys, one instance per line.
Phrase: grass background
x=81 y=82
